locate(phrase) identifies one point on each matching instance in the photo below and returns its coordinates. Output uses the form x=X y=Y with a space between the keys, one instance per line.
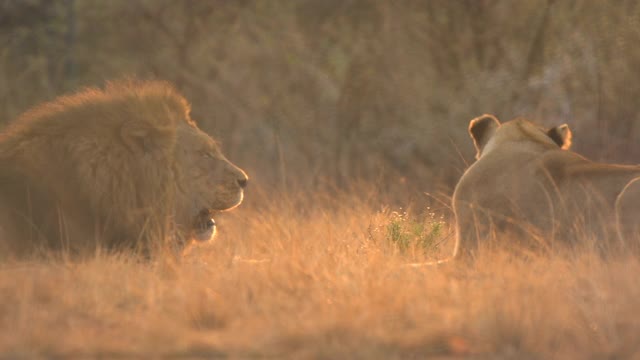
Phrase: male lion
x=122 y=167
x=526 y=185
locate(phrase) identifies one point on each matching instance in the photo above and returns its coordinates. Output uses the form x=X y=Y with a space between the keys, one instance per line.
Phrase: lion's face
x=207 y=182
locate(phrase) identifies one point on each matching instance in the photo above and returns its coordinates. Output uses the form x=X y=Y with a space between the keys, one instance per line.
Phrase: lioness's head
x=488 y=133
x=207 y=182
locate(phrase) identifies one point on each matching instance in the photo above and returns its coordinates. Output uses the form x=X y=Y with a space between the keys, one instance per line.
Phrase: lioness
x=526 y=184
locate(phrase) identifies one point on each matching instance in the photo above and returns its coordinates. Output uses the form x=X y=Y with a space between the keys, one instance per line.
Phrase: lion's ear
x=561 y=135
x=145 y=138
x=481 y=129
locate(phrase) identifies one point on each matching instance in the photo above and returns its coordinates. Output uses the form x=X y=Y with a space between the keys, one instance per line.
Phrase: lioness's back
x=526 y=182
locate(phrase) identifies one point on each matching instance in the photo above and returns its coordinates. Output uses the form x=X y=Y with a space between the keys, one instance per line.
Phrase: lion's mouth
x=204 y=228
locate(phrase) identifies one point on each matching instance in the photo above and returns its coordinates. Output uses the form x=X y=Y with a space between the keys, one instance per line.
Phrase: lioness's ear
x=481 y=129
x=561 y=135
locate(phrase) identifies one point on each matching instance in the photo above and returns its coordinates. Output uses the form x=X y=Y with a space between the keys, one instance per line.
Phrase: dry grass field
x=324 y=277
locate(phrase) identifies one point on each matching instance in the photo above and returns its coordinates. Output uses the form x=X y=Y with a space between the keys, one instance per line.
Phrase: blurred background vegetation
x=313 y=93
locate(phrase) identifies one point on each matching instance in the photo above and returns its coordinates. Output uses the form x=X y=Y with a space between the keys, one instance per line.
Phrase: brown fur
x=527 y=185
x=119 y=167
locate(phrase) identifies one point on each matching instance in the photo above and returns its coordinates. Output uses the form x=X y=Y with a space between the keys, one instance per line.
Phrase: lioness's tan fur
x=528 y=185
x=119 y=167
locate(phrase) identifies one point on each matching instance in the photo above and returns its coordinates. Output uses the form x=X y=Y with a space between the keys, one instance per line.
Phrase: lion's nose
x=243 y=182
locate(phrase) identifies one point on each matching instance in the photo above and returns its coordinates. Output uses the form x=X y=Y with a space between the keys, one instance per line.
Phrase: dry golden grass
x=320 y=278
